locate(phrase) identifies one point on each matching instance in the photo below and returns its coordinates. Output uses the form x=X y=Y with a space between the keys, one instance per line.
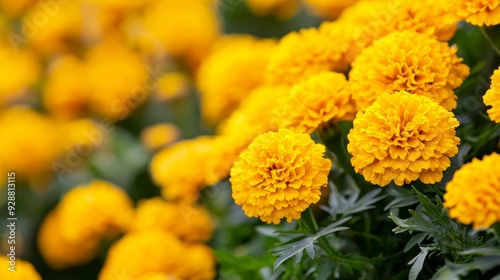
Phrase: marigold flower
x=327 y=8
x=300 y=55
x=279 y=176
x=164 y=254
x=492 y=97
x=179 y=169
x=172 y=86
x=479 y=12
x=283 y=9
x=230 y=72
x=403 y=137
x=23 y=270
x=156 y=136
x=321 y=99
x=15 y=8
x=189 y=223
x=472 y=195
x=20 y=70
x=71 y=234
x=407 y=61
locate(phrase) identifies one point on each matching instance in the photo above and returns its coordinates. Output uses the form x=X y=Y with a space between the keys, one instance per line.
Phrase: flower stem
x=488 y=38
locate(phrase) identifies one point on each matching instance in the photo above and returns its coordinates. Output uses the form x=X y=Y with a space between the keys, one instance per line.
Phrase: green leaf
x=402 y=202
x=482 y=251
x=418 y=263
x=348 y=205
x=452 y=271
x=415 y=240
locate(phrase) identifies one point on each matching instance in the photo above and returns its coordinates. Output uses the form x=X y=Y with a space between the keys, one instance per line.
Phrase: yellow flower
x=279 y=176
x=492 y=97
x=156 y=136
x=283 y=9
x=300 y=55
x=123 y=89
x=472 y=195
x=23 y=270
x=189 y=223
x=71 y=234
x=172 y=86
x=403 y=137
x=19 y=70
x=479 y=12
x=327 y=8
x=157 y=276
x=319 y=100
x=143 y=253
x=15 y=8
x=179 y=169
x=407 y=61
x=232 y=70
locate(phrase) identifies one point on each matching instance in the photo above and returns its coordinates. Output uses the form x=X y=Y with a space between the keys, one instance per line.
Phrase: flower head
x=23 y=270
x=472 y=196
x=156 y=136
x=283 y=9
x=319 y=100
x=407 y=61
x=479 y=12
x=327 y=8
x=279 y=176
x=403 y=137
x=492 y=97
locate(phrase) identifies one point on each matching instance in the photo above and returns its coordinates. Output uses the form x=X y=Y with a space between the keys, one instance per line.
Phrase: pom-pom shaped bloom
x=407 y=61
x=403 y=137
x=179 y=169
x=473 y=195
x=328 y=8
x=279 y=176
x=23 y=269
x=189 y=223
x=319 y=100
x=164 y=253
x=232 y=70
x=283 y=9
x=71 y=234
x=479 y=12
x=156 y=136
x=300 y=55
x=492 y=97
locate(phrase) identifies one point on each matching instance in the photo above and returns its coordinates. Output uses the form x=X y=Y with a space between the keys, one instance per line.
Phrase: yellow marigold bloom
x=300 y=55
x=283 y=9
x=279 y=176
x=232 y=70
x=156 y=136
x=124 y=87
x=407 y=61
x=158 y=276
x=403 y=137
x=23 y=270
x=492 y=97
x=28 y=134
x=327 y=8
x=319 y=100
x=78 y=133
x=479 y=12
x=19 y=69
x=171 y=86
x=15 y=8
x=65 y=95
x=189 y=223
x=472 y=195
x=85 y=215
x=179 y=169
x=164 y=253
x=185 y=29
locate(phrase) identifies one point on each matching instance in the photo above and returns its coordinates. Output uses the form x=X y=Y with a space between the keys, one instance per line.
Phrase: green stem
x=488 y=38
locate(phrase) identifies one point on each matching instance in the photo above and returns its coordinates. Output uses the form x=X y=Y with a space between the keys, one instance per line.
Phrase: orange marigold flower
x=407 y=61
x=164 y=253
x=479 y=12
x=319 y=100
x=23 y=270
x=328 y=8
x=300 y=55
x=172 y=169
x=172 y=86
x=279 y=176
x=189 y=223
x=472 y=196
x=492 y=97
x=156 y=136
x=228 y=74
x=283 y=9
x=403 y=137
